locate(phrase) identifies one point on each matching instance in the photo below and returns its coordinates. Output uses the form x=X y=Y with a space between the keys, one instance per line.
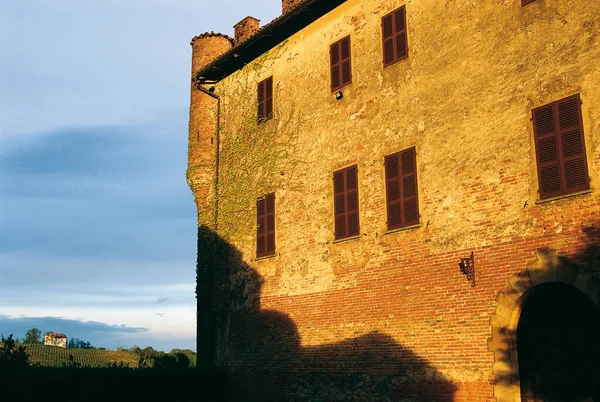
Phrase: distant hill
x=54 y=356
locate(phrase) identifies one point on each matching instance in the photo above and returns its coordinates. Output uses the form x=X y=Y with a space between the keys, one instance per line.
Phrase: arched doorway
x=548 y=288
x=557 y=343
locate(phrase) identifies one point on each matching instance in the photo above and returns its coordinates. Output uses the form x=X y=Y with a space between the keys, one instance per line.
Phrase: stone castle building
x=398 y=200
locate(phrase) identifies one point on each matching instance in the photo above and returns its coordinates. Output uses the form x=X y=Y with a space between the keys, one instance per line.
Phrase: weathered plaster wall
x=463 y=98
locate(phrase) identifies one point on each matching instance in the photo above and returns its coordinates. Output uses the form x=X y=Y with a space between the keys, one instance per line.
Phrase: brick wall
x=287 y=5
x=202 y=140
x=245 y=29
x=390 y=314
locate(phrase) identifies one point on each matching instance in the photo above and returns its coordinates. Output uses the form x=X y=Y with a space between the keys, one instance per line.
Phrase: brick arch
x=547 y=267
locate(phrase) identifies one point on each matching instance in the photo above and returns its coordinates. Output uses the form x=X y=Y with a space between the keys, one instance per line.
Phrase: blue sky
x=97 y=225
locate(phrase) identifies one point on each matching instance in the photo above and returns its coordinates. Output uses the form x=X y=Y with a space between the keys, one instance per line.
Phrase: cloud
x=93 y=151
x=99 y=278
x=75 y=151
x=59 y=324
x=106 y=154
x=97 y=333
x=118 y=305
x=105 y=61
x=99 y=191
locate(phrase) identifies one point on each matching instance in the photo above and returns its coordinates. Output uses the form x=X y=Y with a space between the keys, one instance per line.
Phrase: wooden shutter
x=265 y=225
x=334 y=55
x=392 y=190
x=345 y=60
x=560 y=148
x=352 y=201
x=572 y=145
x=387 y=28
x=395 y=42
x=410 y=203
x=341 y=66
x=261 y=101
x=265 y=99
x=401 y=189
x=270 y=223
x=269 y=98
x=339 y=191
x=345 y=189
x=400 y=33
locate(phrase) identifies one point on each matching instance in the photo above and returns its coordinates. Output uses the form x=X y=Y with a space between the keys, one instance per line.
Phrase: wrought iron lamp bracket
x=467 y=267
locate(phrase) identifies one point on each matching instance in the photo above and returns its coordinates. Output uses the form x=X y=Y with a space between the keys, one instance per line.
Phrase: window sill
x=394 y=62
x=263 y=120
x=346 y=239
x=334 y=90
x=418 y=225
x=265 y=257
x=560 y=197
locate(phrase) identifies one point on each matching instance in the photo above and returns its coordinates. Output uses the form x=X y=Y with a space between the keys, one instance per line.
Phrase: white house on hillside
x=54 y=339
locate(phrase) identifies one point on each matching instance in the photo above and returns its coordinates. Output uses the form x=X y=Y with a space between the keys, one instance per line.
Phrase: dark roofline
x=55 y=335
x=210 y=35
x=266 y=39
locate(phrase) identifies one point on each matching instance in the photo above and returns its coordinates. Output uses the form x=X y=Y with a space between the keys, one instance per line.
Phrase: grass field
x=54 y=356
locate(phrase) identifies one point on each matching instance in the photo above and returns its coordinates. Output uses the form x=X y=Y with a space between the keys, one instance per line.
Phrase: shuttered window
x=560 y=148
x=395 y=41
x=401 y=189
x=341 y=66
x=525 y=2
x=265 y=226
x=345 y=189
x=265 y=99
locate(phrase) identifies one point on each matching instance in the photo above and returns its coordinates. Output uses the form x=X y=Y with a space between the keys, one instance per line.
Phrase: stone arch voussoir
x=548 y=266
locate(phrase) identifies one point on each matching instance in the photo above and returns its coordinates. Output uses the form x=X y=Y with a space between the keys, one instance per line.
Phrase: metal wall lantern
x=467 y=267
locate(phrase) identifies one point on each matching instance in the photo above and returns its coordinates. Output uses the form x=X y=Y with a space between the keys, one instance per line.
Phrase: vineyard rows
x=54 y=356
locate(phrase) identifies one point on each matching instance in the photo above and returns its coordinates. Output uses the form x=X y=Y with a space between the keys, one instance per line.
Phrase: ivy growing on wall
x=255 y=157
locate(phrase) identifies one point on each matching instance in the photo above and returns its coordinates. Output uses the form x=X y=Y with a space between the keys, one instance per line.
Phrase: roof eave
x=265 y=39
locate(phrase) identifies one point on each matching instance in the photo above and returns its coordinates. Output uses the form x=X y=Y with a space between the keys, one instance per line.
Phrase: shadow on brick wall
x=260 y=349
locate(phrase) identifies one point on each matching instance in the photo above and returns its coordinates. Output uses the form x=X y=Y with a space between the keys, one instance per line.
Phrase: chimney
x=245 y=29
x=287 y=5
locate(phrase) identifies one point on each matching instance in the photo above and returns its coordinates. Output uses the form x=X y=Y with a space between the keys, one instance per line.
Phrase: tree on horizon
x=33 y=336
